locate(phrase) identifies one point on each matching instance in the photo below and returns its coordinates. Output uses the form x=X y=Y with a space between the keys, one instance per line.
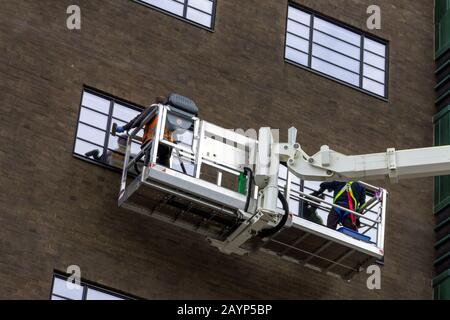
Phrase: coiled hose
x=270 y=232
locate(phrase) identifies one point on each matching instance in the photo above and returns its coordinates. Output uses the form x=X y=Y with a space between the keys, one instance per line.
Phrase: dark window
x=65 y=290
x=442 y=138
x=337 y=51
x=442 y=26
x=97 y=114
x=199 y=12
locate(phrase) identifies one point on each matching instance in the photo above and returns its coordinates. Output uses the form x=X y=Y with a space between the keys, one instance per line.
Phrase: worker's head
x=161 y=99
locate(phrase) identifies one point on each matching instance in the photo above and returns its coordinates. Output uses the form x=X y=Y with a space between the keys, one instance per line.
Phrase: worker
x=164 y=151
x=350 y=195
x=310 y=210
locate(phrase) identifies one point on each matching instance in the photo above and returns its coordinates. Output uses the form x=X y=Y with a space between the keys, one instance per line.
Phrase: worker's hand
x=120 y=129
x=317 y=193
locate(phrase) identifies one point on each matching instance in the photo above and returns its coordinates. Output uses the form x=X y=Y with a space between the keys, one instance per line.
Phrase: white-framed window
x=63 y=290
x=336 y=51
x=98 y=112
x=199 y=12
x=94 y=140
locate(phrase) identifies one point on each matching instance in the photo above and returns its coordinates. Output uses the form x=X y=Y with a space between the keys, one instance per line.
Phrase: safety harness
x=352 y=203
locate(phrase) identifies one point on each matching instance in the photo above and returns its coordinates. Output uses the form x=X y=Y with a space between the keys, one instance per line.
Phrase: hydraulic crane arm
x=328 y=164
x=404 y=164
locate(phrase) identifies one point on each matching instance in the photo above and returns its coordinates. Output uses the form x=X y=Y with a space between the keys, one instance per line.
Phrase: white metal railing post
x=123 y=182
x=156 y=135
x=198 y=153
x=382 y=225
x=287 y=188
x=195 y=138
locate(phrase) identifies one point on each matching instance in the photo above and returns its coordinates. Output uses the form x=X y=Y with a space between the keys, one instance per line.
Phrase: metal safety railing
x=372 y=217
x=222 y=150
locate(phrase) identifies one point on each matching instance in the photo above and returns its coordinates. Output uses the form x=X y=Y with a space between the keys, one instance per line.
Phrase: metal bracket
x=247 y=230
x=392 y=165
x=325 y=156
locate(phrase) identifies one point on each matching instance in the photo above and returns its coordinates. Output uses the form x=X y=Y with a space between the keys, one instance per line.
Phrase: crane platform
x=199 y=192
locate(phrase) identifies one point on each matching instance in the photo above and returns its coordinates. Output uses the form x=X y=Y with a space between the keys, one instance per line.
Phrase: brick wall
x=56 y=210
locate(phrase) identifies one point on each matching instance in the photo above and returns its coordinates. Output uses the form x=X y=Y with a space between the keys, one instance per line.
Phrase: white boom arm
x=392 y=164
x=328 y=164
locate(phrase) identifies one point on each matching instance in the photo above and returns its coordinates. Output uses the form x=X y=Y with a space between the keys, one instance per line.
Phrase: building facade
x=242 y=62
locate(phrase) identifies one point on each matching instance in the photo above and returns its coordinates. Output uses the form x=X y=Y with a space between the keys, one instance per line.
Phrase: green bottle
x=242 y=183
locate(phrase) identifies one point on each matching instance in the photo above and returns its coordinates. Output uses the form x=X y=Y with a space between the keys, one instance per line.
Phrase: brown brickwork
x=56 y=210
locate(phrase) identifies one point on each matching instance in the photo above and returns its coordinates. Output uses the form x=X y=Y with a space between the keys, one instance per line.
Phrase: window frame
x=112 y=99
x=343 y=25
x=183 y=18
x=86 y=285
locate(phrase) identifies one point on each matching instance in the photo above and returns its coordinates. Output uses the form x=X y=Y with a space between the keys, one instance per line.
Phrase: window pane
x=298 y=43
x=337 y=31
x=375 y=47
x=298 y=29
x=374 y=60
x=95 y=102
x=299 y=16
x=115 y=146
x=81 y=147
x=336 y=58
x=373 y=86
x=94 y=118
x=60 y=288
x=294 y=206
x=282 y=172
x=199 y=17
x=91 y=134
x=374 y=73
x=336 y=44
x=184 y=137
x=204 y=5
x=169 y=5
x=297 y=56
x=98 y=295
x=124 y=113
x=296 y=181
x=335 y=72
x=57 y=298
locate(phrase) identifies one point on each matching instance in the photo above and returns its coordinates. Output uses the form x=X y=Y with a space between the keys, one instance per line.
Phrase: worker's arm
x=130 y=125
x=137 y=121
x=328 y=185
x=324 y=186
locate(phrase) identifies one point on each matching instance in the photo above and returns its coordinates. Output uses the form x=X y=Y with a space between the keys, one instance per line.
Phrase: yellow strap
x=347 y=187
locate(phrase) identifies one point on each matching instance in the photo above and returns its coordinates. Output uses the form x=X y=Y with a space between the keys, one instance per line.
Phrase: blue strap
x=341 y=216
